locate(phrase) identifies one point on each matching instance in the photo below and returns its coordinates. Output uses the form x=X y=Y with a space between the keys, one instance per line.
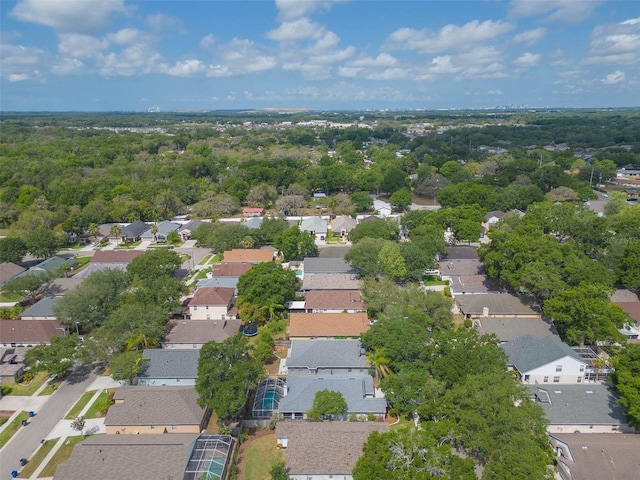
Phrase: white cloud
x=617 y=43
x=240 y=57
x=382 y=60
x=530 y=36
x=299 y=29
x=77 y=45
x=613 y=78
x=527 y=59
x=291 y=9
x=207 y=42
x=186 y=68
x=20 y=63
x=570 y=11
x=494 y=92
x=442 y=65
x=166 y=23
x=134 y=60
x=128 y=36
x=480 y=56
x=80 y=16
x=18 y=77
x=450 y=37
x=68 y=66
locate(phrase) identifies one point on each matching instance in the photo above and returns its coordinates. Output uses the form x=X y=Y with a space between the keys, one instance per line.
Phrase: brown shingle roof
x=213 y=296
x=29 y=331
x=230 y=269
x=331 y=281
x=155 y=406
x=632 y=308
x=8 y=270
x=329 y=448
x=115 y=256
x=328 y=324
x=250 y=255
x=334 y=299
x=201 y=331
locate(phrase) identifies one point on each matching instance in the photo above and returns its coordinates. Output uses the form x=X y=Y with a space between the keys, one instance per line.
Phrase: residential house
x=357 y=390
x=327 y=325
x=192 y=334
x=458 y=268
x=252 y=211
x=586 y=408
x=8 y=271
x=41 y=310
x=11 y=364
x=52 y=266
x=334 y=301
x=630 y=303
x=164 y=229
x=211 y=303
x=466 y=284
x=326 y=357
x=495 y=305
x=331 y=281
x=253 y=223
x=461 y=252
x=544 y=360
x=315 y=226
x=382 y=208
x=234 y=269
x=599 y=455
x=248 y=255
x=152 y=410
x=109 y=259
x=319 y=265
x=491 y=218
x=342 y=225
x=163 y=367
x=185 y=231
x=62 y=285
x=133 y=231
x=219 y=282
x=23 y=333
x=322 y=450
x=185 y=456
x=510 y=328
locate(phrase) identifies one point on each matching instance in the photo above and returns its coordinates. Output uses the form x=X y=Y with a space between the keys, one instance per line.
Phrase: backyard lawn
x=260 y=455
x=61 y=455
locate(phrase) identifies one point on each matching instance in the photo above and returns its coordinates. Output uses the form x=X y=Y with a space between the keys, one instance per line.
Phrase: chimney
x=485 y=312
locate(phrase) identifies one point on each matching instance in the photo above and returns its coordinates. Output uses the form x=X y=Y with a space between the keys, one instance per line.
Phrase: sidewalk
x=18 y=404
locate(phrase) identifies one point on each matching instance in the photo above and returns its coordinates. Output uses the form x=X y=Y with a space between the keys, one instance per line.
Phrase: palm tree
x=115 y=230
x=154 y=231
x=271 y=308
x=93 y=230
x=139 y=341
x=380 y=362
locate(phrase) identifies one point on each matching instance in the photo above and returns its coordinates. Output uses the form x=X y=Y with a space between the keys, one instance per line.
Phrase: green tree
x=295 y=244
x=392 y=262
x=57 y=357
x=394 y=180
x=401 y=199
x=278 y=471
x=364 y=256
x=227 y=372
x=628 y=269
x=41 y=243
x=272 y=227
x=328 y=405
x=115 y=231
x=78 y=424
x=378 y=360
x=126 y=365
x=12 y=249
x=627 y=381
x=154 y=263
x=376 y=228
x=29 y=285
x=263 y=348
x=362 y=201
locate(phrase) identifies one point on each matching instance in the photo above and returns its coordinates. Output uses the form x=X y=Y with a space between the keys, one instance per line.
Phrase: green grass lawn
x=82 y=260
x=261 y=454
x=94 y=409
x=403 y=423
x=61 y=455
x=80 y=404
x=205 y=259
x=12 y=428
x=27 y=389
x=36 y=460
x=51 y=387
x=10 y=297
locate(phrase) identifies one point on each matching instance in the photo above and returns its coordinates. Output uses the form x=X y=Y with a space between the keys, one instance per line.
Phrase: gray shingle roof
x=218 y=282
x=326 y=353
x=528 y=352
x=574 y=405
x=41 y=309
x=164 y=363
x=326 y=265
x=155 y=406
x=134 y=230
x=253 y=223
x=302 y=389
x=116 y=457
x=497 y=303
x=313 y=224
x=507 y=329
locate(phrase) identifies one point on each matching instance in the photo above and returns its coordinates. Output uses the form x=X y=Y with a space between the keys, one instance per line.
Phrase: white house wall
x=208 y=312
x=572 y=372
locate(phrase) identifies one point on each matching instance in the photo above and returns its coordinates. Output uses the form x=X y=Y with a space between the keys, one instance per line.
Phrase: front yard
x=27 y=388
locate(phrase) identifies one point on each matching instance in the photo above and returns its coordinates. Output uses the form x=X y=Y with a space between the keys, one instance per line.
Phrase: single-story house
x=334 y=301
x=164 y=228
x=149 y=410
x=62 y=285
x=327 y=325
x=462 y=267
x=331 y=281
x=465 y=284
x=11 y=364
x=169 y=367
x=27 y=333
x=586 y=408
x=248 y=255
x=211 y=303
x=357 y=391
x=8 y=271
x=109 y=259
x=544 y=360
x=234 y=269
x=52 y=265
x=382 y=208
x=322 y=450
x=133 y=231
x=461 y=252
x=491 y=218
x=186 y=230
x=342 y=225
x=319 y=265
x=252 y=211
x=185 y=456
x=315 y=226
x=496 y=305
x=195 y=333
x=41 y=310
x=326 y=357
x=253 y=223
x=510 y=328
x=599 y=455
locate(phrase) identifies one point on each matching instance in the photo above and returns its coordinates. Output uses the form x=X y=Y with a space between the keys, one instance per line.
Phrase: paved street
x=27 y=439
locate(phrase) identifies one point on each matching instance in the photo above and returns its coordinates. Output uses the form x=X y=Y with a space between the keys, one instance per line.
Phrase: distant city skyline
x=118 y=55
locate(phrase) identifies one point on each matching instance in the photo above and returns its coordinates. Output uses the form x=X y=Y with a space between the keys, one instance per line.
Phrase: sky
x=121 y=55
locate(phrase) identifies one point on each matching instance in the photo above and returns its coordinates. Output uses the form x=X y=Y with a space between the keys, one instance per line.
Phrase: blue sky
x=105 y=55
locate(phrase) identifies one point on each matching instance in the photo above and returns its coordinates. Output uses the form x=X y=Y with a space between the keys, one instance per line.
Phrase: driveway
x=27 y=439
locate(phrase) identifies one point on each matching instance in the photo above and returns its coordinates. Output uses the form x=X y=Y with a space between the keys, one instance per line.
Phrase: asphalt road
x=27 y=439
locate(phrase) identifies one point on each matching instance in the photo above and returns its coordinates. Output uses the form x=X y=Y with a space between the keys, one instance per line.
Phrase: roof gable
x=213 y=296
x=313 y=224
x=134 y=230
x=528 y=352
